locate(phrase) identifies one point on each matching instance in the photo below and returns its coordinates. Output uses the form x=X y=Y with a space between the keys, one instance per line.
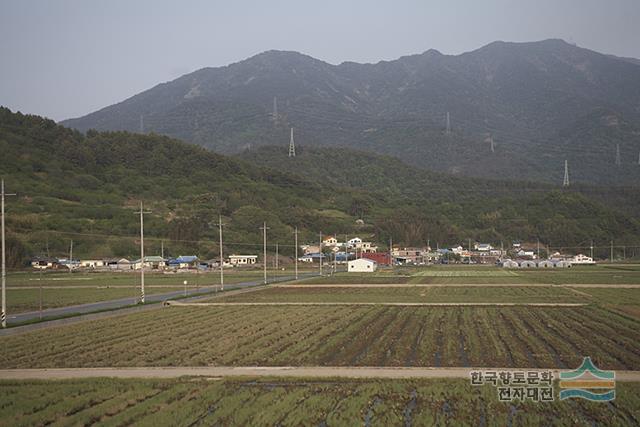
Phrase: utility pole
x=3 y=315
x=618 y=161
x=71 y=257
x=492 y=144
x=295 y=233
x=391 y=252
x=346 y=252
x=335 y=259
x=264 y=229
x=220 y=224
x=565 y=182
x=538 y=248
x=162 y=249
x=276 y=275
x=591 y=250
x=142 y=212
x=320 y=253
x=612 y=251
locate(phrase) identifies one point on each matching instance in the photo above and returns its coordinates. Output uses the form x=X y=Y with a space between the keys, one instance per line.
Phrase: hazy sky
x=66 y=58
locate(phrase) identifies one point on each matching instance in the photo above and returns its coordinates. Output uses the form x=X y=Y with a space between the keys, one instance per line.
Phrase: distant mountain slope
x=541 y=103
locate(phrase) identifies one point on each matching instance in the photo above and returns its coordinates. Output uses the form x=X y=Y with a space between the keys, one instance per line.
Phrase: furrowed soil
x=338 y=336
x=294 y=401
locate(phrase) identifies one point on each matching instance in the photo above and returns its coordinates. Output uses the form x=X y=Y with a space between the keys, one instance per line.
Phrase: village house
x=150 y=262
x=381 y=258
x=92 y=263
x=330 y=242
x=482 y=247
x=242 y=260
x=118 y=264
x=44 y=263
x=362 y=265
x=312 y=257
x=184 y=262
x=410 y=255
x=310 y=249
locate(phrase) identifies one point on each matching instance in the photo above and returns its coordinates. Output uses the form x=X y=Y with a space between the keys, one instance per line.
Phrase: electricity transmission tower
x=292 y=146
x=142 y=212
x=448 y=124
x=275 y=110
x=565 y=183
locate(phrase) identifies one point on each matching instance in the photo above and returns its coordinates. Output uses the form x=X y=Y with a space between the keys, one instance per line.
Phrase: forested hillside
x=87 y=188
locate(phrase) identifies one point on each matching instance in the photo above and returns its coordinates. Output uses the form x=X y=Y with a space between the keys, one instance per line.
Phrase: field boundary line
x=597 y=285
x=390 y=304
x=414 y=285
x=269 y=371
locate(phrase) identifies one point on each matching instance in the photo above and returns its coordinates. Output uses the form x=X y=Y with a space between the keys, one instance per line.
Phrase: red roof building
x=382 y=258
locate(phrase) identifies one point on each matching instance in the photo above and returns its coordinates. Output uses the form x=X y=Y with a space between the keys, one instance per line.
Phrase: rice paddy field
x=294 y=402
x=338 y=336
x=605 y=327
x=475 y=274
x=416 y=294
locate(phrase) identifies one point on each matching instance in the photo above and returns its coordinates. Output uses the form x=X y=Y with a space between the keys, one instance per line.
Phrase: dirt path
x=266 y=371
x=456 y=285
x=393 y=304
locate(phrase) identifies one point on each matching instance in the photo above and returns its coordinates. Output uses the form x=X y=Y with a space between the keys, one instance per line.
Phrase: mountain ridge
x=527 y=97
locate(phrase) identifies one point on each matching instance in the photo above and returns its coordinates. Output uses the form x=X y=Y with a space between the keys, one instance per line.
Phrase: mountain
x=87 y=187
x=540 y=102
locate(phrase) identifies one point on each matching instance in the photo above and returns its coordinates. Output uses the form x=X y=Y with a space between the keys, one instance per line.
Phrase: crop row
x=111 y=402
x=412 y=294
x=340 y=335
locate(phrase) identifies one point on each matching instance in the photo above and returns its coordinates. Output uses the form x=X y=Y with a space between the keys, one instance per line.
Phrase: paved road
x=391 y=304
x=267 y=371
x=125 y=302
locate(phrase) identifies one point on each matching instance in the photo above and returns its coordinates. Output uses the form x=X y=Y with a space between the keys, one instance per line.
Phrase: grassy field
x=31 y=278
x=458 y=274
x=64 y=289
x=320 y=293
x=23 y=300
x=338 y=336
x=293 y=402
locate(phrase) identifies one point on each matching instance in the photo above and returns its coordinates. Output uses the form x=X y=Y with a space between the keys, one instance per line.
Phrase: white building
x=482 y=247
x=362 y=265
x=239 y=260
x=92 y=263
x=526 y=253
x=581 y=259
